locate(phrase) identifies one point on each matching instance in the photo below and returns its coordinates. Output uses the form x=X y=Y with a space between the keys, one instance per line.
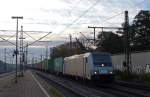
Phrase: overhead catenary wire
x=109 y=18
x=74 y=21
x=8 y=41
x=112 y=17
x=74 y=6
x=86 y=11
x=37 y=31
x=11 y=37
x=136 y=5
x=139 y=3
x=39 y=39
x=29 y=36
x=117 y=14
x=24 y=31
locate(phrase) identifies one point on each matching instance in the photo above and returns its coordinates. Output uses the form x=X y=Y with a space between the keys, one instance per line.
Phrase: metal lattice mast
x=21 y=51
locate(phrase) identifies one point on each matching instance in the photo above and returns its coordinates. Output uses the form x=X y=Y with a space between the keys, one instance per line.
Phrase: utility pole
x=16 y=51
x=89 y=43
x=46 y=56
x=41 y=60
x=25 y=55
x=46 y=52
x=51 y=52
x=102 y=28
x=5 y=67
x=94 y=32
x=32 y=61
x=127 y=43
x=35 y=59
x=70 y=36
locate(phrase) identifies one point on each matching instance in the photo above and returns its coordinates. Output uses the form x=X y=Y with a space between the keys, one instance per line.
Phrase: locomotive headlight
x=102 y=65
x=95 y=72
x=110 y=72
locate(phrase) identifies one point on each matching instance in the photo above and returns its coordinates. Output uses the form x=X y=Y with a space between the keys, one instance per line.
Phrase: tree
x=140 y=34
x=110 y=42
x=68 y=49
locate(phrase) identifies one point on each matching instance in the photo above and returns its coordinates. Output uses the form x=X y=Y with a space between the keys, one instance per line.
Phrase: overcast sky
x=66 y=16
x=63 y=17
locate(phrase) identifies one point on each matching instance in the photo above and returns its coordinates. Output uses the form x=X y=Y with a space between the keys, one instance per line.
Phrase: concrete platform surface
x=27 y=86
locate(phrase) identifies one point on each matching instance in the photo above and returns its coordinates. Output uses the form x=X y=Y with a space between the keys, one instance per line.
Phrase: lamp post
x=16 y=51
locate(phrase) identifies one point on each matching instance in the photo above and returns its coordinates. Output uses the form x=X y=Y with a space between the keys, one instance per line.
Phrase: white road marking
x=41 y=87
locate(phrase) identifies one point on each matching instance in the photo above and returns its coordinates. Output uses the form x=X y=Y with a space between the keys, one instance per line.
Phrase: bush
x=144 y=77
x=124 y=75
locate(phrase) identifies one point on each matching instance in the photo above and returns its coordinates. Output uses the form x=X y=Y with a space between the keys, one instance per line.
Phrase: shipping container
x=39 y=66
x=45 y=63
x=51 y=65
x=58 y=68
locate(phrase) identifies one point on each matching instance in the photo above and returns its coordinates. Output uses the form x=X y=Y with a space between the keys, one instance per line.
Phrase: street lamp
x=16 y=51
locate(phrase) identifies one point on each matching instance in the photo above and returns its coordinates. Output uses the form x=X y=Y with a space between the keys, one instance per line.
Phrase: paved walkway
x=27 y=86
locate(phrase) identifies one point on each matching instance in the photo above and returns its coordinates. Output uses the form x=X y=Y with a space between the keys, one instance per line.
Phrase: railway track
x=6 y=74
x=112 y=90
x=127 y=89
x=140 y=86
x=75 y=88
x=57 y=85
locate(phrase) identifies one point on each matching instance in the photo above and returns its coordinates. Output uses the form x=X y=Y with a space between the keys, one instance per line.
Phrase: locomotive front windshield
x=102 y=59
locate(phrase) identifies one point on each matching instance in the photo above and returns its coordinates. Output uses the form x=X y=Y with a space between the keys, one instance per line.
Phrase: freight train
x=90 y=66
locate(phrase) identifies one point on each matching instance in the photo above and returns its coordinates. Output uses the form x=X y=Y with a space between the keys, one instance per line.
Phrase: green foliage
x=110 y=42
x=140 y=31
x=65 y=50
x=124 y=75
x=55 y=92
x=139 y=36
x=144 y=77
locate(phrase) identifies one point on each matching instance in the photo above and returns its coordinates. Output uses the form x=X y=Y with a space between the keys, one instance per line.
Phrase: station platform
x=27 y=86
